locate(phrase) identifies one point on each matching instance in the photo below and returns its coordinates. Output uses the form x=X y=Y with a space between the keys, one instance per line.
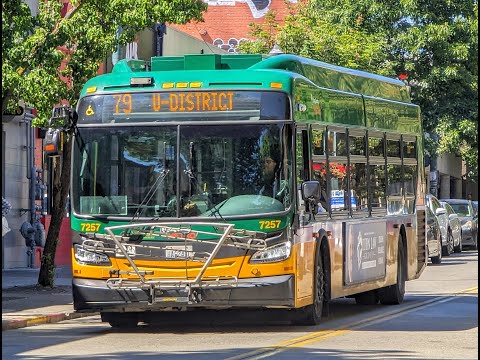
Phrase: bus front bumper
x=90 y=295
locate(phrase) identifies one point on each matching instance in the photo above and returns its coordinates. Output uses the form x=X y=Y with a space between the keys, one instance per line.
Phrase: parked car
x=469 y=219
x=475 y=205
x=455 y=227
x=434 y=204
x=434 y=238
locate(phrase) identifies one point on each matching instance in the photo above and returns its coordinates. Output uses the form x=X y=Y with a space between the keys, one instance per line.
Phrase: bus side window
x=410 y=170
x=377 y=186
x=358 y=171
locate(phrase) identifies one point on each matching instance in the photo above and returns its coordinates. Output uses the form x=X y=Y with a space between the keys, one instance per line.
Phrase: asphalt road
x=438 y=320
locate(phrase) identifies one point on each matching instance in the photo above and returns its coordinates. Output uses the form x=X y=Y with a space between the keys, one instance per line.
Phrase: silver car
x=434 y=239
x=455 y=227
x=441 y=214
x=469 y=219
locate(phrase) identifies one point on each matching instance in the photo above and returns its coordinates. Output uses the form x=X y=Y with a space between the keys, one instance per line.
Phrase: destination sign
x=188 y=101
x=160 y=106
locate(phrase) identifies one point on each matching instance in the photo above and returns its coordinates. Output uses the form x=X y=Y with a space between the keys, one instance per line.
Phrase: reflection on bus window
x=393 y=148
x=375 y=146
x=377 y=186
x=357 y=145
x=337 y=143
x=338 y=186
x=318 y=141
x=410 y=178
x=394 y=188
x=358 y=186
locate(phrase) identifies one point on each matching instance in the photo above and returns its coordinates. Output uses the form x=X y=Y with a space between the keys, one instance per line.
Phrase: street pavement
x=24 y=303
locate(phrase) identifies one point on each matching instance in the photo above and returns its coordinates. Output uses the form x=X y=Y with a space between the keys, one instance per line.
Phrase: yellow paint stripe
x=470 y=290
x=325 y=334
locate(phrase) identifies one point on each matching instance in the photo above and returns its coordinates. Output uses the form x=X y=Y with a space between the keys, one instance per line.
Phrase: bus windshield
x=182 y=171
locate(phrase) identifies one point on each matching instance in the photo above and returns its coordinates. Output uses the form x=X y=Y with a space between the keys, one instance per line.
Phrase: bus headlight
x=89 y=257
x=274 y=253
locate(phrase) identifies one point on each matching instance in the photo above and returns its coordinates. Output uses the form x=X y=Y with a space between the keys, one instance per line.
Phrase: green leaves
x=46 y=59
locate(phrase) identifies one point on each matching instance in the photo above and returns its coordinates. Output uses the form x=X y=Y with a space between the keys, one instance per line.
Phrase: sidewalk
x=25 y=304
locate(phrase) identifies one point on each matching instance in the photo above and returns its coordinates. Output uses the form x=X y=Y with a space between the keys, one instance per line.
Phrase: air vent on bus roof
x=204 y=62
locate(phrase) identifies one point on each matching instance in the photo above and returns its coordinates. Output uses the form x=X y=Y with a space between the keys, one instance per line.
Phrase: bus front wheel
x=312 y=314
x=394 y=294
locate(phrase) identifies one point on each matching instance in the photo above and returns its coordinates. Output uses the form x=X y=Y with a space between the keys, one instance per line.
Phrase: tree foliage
x=434 y=43
x=47 y=58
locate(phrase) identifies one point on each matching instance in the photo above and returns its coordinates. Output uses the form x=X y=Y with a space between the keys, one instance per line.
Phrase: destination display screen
x=188 y=105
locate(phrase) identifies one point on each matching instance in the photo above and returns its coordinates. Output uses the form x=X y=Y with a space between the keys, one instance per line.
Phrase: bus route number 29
x=270 y=224
x=90 y=227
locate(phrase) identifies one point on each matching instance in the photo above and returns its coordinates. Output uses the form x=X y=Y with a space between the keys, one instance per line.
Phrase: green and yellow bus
x=244 y=181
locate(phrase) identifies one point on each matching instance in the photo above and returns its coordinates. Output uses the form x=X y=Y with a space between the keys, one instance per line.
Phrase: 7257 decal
x=270 y=224
x=90 y=227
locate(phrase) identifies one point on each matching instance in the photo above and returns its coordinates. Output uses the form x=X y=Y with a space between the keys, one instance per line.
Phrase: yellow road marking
x=318 y=336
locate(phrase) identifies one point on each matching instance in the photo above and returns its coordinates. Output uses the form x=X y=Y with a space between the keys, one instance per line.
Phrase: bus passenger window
x=375 y=146
x=410 y=179
x=337 y=143
x=357 y=145
x=393 y=148
x=394 y=188
x=377 y=186
x=318 y=142
x=320 y=174
x=409 y=149
x=338 y=186
x=358 y=187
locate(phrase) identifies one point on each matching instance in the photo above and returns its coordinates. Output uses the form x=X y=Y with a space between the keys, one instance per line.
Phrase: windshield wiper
x=153 y=189
x=216 y=210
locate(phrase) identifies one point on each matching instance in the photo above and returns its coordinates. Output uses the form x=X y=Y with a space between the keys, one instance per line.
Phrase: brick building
x=226 y=22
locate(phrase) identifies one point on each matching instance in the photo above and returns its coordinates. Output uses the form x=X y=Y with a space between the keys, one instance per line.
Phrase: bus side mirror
x=63 y=117
x=311 y=191
x=311 y=195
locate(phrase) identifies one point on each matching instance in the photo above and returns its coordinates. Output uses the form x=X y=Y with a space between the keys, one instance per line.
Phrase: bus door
x=304 y=248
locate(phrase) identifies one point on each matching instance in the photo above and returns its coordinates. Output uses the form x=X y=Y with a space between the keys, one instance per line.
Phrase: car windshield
x=182 y=171
x=461 y=209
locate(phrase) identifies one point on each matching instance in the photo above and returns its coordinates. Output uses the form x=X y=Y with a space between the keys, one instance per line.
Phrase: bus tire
x=394 y=294
x=312 y=314
x=120 y=320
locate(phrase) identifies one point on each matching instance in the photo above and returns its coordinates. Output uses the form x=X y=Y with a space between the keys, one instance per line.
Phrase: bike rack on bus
x=226 y=235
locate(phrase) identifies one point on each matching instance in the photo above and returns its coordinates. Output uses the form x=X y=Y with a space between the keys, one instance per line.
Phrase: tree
x=432 y=44
x=47 y=58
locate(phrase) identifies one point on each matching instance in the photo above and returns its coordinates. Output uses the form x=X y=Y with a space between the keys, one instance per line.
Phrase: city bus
x=244 y=182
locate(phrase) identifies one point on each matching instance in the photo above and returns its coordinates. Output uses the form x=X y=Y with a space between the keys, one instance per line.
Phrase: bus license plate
x=178 y=298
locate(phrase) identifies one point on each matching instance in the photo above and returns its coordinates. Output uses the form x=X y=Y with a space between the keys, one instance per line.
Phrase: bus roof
x=244 y=71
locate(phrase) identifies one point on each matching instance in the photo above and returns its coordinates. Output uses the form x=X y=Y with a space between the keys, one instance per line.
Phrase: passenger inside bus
x=270 y=167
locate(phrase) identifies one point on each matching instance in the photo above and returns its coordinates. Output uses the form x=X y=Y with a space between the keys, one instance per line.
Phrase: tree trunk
x=60 y=188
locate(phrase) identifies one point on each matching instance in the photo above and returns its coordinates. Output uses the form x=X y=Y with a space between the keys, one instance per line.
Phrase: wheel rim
x=451 y=244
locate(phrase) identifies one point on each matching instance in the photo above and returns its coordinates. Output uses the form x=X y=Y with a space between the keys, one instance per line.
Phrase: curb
x=20 y=321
